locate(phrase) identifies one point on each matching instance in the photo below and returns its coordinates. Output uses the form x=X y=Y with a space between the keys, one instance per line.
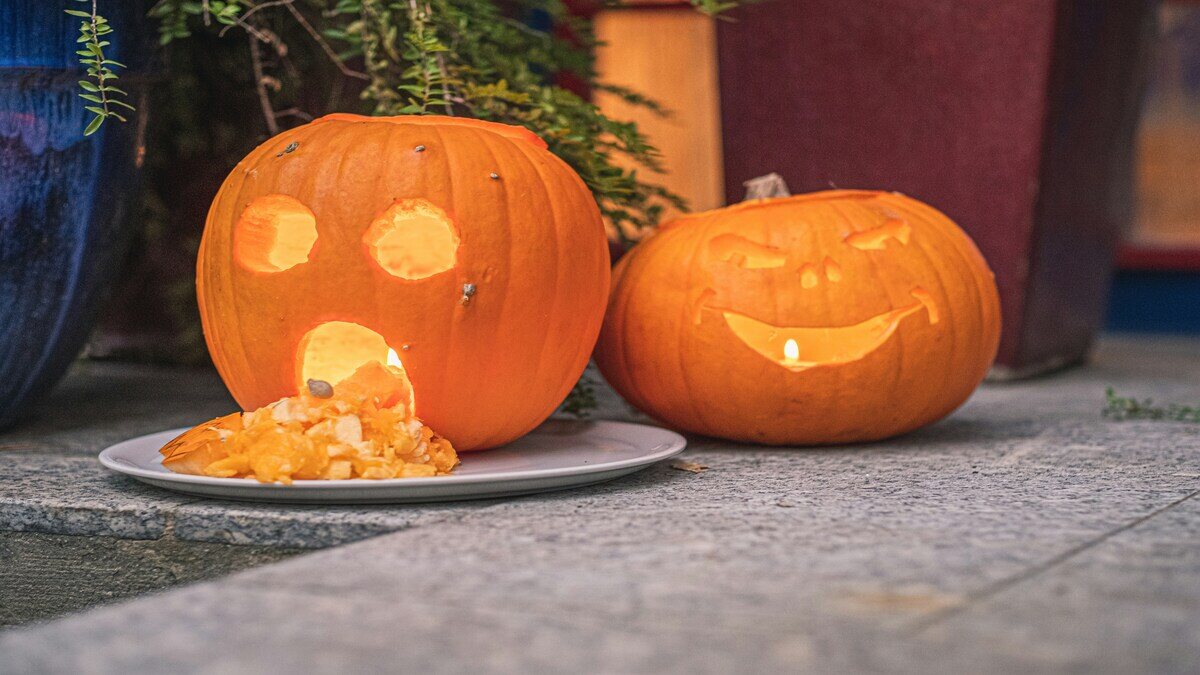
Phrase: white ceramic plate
x=559 y=454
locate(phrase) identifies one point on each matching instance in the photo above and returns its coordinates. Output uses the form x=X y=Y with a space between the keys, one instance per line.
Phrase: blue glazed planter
x=63 y=197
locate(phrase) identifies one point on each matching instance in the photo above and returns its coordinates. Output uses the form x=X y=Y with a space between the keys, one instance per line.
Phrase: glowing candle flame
x=791 y=350
x=393 y=359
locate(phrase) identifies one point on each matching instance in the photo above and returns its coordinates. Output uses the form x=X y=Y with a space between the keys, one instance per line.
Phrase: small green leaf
x=76 y=12
x=88 y=86
x=93 y=126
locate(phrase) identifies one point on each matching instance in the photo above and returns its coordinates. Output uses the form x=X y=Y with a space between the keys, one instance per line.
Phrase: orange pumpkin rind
x=834 y=317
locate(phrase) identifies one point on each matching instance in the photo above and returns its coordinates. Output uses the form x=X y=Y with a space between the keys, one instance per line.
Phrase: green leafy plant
x=499 y=60
x=1126 y=408
x=98 y=89
x=478 y=58
x=582 y=399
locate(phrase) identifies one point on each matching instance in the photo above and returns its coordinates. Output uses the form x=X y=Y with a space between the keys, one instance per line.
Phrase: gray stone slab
x=43 y=576
x=1024 y=533
x=218 y=629
x=60 y=494
x=1129 y=602
x=299 y=526
x=54 y=493
x=101 y=403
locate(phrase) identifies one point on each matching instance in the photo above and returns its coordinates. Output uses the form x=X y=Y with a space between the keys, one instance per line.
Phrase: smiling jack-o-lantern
x=832 y=317
x=453 y=261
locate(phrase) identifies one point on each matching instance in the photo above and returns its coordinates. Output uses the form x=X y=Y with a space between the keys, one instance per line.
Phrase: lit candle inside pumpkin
x=393 y=359
x=791 y=353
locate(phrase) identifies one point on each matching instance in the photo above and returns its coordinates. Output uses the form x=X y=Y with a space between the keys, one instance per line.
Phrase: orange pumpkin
x=459 y=260
x=832 y=317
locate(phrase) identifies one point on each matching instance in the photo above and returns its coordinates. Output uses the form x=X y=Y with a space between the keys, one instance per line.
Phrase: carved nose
x=809 y=278
x=828 y=270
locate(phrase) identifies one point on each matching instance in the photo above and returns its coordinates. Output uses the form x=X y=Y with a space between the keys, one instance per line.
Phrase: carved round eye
x=274 y=233
x=412 y=239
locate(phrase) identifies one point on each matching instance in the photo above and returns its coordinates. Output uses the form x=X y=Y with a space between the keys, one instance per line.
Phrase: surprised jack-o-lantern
x=833 y=317
x=454 y=261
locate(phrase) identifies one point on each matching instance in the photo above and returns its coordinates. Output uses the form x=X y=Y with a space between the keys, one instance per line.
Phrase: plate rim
x=671 y=444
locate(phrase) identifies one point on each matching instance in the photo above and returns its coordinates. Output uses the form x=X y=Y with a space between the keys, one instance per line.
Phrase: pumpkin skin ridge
x=942 y=260
x=439 y=151
x=752 y=204
x=701 y=412
x=509 y=249
x=988 y=300
x=581 y=357
x=631 y=335
x=547 y=168
x=970 y=266
x=953 y=402
x=603 y=271
x=560 y=214
x=498 y=128
x=946 y=308
x=897 y=362
x=616 y=311
x=954 y=237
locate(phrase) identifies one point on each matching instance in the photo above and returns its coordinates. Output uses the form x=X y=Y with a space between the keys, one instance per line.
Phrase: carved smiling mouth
x=799 y=349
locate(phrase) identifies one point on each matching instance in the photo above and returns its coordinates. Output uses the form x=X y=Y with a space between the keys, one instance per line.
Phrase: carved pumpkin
x=455 y=259
x=833 y=317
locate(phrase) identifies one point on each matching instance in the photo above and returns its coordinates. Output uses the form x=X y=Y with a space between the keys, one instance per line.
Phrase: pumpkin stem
x=766 y=187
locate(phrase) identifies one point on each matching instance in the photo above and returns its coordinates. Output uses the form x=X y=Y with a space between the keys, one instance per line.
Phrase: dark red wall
x=961 y=104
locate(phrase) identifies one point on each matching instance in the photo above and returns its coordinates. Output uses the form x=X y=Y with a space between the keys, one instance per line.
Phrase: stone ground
x=1024 y=533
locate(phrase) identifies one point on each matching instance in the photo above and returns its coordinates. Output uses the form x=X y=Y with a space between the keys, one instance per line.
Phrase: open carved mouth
x=799 y=349
x=348 y=354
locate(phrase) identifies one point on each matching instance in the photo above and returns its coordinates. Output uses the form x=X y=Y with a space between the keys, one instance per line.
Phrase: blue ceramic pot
x=63 y=197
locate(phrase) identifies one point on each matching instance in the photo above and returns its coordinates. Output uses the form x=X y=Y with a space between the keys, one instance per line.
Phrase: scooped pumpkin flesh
x=349 y=434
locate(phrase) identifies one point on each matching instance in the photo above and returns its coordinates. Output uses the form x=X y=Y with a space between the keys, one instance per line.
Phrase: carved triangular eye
x=876 y=238
x=273 y=234
x=746 y=254
x=412 y=239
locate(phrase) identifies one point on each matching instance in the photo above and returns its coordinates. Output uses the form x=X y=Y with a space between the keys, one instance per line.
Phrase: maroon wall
x=964 y=104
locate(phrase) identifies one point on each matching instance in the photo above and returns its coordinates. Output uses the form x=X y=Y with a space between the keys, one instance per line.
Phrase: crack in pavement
x=923 y=624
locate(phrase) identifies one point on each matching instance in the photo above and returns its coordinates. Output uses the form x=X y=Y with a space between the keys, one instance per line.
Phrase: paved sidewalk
x=1024 y=533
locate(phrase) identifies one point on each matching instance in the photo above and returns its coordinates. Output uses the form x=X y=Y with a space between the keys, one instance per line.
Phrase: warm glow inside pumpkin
x=453 y=263
x=274 y=233
x=412 y=239
x=825 y=318
x=334 y=351
x=807 y=347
